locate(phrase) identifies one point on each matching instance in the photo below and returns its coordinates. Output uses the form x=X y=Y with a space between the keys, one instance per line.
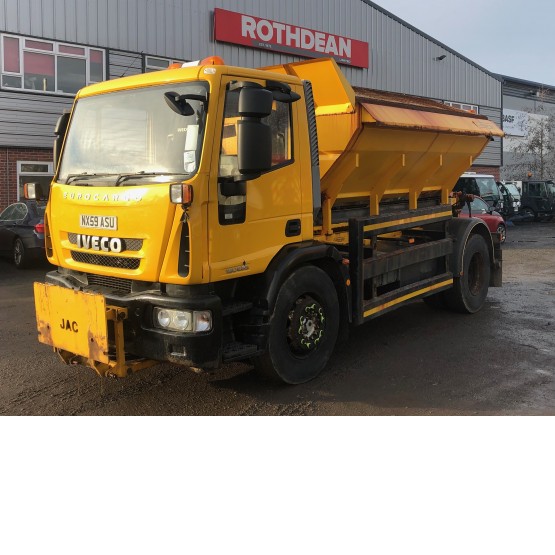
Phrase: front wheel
x=470 y=290
x=19 y=254
x=303 y=327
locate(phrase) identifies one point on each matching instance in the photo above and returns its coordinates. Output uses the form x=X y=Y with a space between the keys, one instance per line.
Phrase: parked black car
x=538 y=199
x=511 y=199
x=22 y=232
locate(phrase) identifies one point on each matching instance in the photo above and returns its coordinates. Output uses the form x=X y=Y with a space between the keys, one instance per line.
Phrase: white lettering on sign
x=277 y=36
x=248 y=26
x=331 y=46
x=297 y=37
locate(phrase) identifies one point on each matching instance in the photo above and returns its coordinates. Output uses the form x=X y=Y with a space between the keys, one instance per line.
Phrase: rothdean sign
x=238 y=28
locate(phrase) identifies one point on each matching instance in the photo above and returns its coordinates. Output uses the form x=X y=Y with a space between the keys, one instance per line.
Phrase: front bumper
x=143 y=340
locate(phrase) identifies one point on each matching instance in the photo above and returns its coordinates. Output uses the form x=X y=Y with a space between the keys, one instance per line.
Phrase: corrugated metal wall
x=492 y=153
x=401 y=58
x=29 y=119
x=123 y=64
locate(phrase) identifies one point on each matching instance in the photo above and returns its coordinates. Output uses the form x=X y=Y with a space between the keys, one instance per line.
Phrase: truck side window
x=280 y=124
x=533 y=189
x=232 y=207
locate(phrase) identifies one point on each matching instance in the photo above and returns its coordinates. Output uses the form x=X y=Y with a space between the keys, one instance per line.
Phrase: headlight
x=163 y=317
x=182 y=320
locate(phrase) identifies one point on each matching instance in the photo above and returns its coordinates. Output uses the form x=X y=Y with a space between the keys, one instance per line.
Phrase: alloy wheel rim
x=18 y=252
x=306 y=325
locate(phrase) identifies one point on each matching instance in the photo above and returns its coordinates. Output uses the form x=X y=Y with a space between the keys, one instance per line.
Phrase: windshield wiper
x=140 y=175
x=84 y=175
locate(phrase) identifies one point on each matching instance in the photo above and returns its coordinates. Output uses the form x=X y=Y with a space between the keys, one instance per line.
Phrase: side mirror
x=36 y=191
x=60 y=132
x=254 y=154
x=254 y=138
x=178 y=104
x=282 y=92
x=255 y=102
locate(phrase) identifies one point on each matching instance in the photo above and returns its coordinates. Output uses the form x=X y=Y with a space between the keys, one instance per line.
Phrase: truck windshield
x=117 y=136
x=511 y=187
x=488 y=188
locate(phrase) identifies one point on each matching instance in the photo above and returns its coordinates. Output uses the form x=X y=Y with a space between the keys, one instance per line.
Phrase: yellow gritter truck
x=209 y=213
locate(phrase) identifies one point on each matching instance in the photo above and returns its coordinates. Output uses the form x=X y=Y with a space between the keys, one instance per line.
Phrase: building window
x=466 y=107
x=153 y=63
x=34 y=172
x=47 y=66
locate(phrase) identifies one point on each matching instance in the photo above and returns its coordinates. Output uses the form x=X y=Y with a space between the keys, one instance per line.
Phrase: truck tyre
x=303 y=328
x=469 y=291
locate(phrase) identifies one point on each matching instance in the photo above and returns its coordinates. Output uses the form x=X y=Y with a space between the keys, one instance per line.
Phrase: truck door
x=251 y=220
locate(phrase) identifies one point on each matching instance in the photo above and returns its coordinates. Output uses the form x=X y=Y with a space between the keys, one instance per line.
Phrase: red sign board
x=256 y=32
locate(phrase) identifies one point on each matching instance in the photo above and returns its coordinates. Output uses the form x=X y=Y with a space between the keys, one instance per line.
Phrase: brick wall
x=9 y=157
x=488 y=170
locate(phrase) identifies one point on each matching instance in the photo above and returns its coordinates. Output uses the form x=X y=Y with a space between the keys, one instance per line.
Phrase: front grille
x=119 y=285
x=108 y=261
x=129 y=244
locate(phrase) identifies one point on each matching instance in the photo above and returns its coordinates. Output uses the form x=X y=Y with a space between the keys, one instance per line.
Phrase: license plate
x=98 y=222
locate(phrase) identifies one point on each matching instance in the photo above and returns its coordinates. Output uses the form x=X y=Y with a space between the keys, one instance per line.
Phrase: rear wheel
x=303 y=327
x=19 y=253
x=470 y=290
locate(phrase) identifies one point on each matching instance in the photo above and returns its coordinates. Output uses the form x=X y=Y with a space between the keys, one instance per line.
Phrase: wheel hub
x=306 y=324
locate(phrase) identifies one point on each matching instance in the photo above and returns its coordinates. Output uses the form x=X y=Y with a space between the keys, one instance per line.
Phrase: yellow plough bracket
x=75 y=324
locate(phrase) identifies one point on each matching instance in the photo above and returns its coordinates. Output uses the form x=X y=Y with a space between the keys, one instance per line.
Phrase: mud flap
x=496 y=275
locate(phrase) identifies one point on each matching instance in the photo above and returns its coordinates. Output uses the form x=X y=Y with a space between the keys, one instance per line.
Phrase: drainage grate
x=118 y=285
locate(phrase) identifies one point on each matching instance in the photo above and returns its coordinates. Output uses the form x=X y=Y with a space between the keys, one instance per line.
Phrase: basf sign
x=515 y=122
x=256 y=32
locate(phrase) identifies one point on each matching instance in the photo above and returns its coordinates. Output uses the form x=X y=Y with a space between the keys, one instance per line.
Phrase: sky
x=510 y=37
